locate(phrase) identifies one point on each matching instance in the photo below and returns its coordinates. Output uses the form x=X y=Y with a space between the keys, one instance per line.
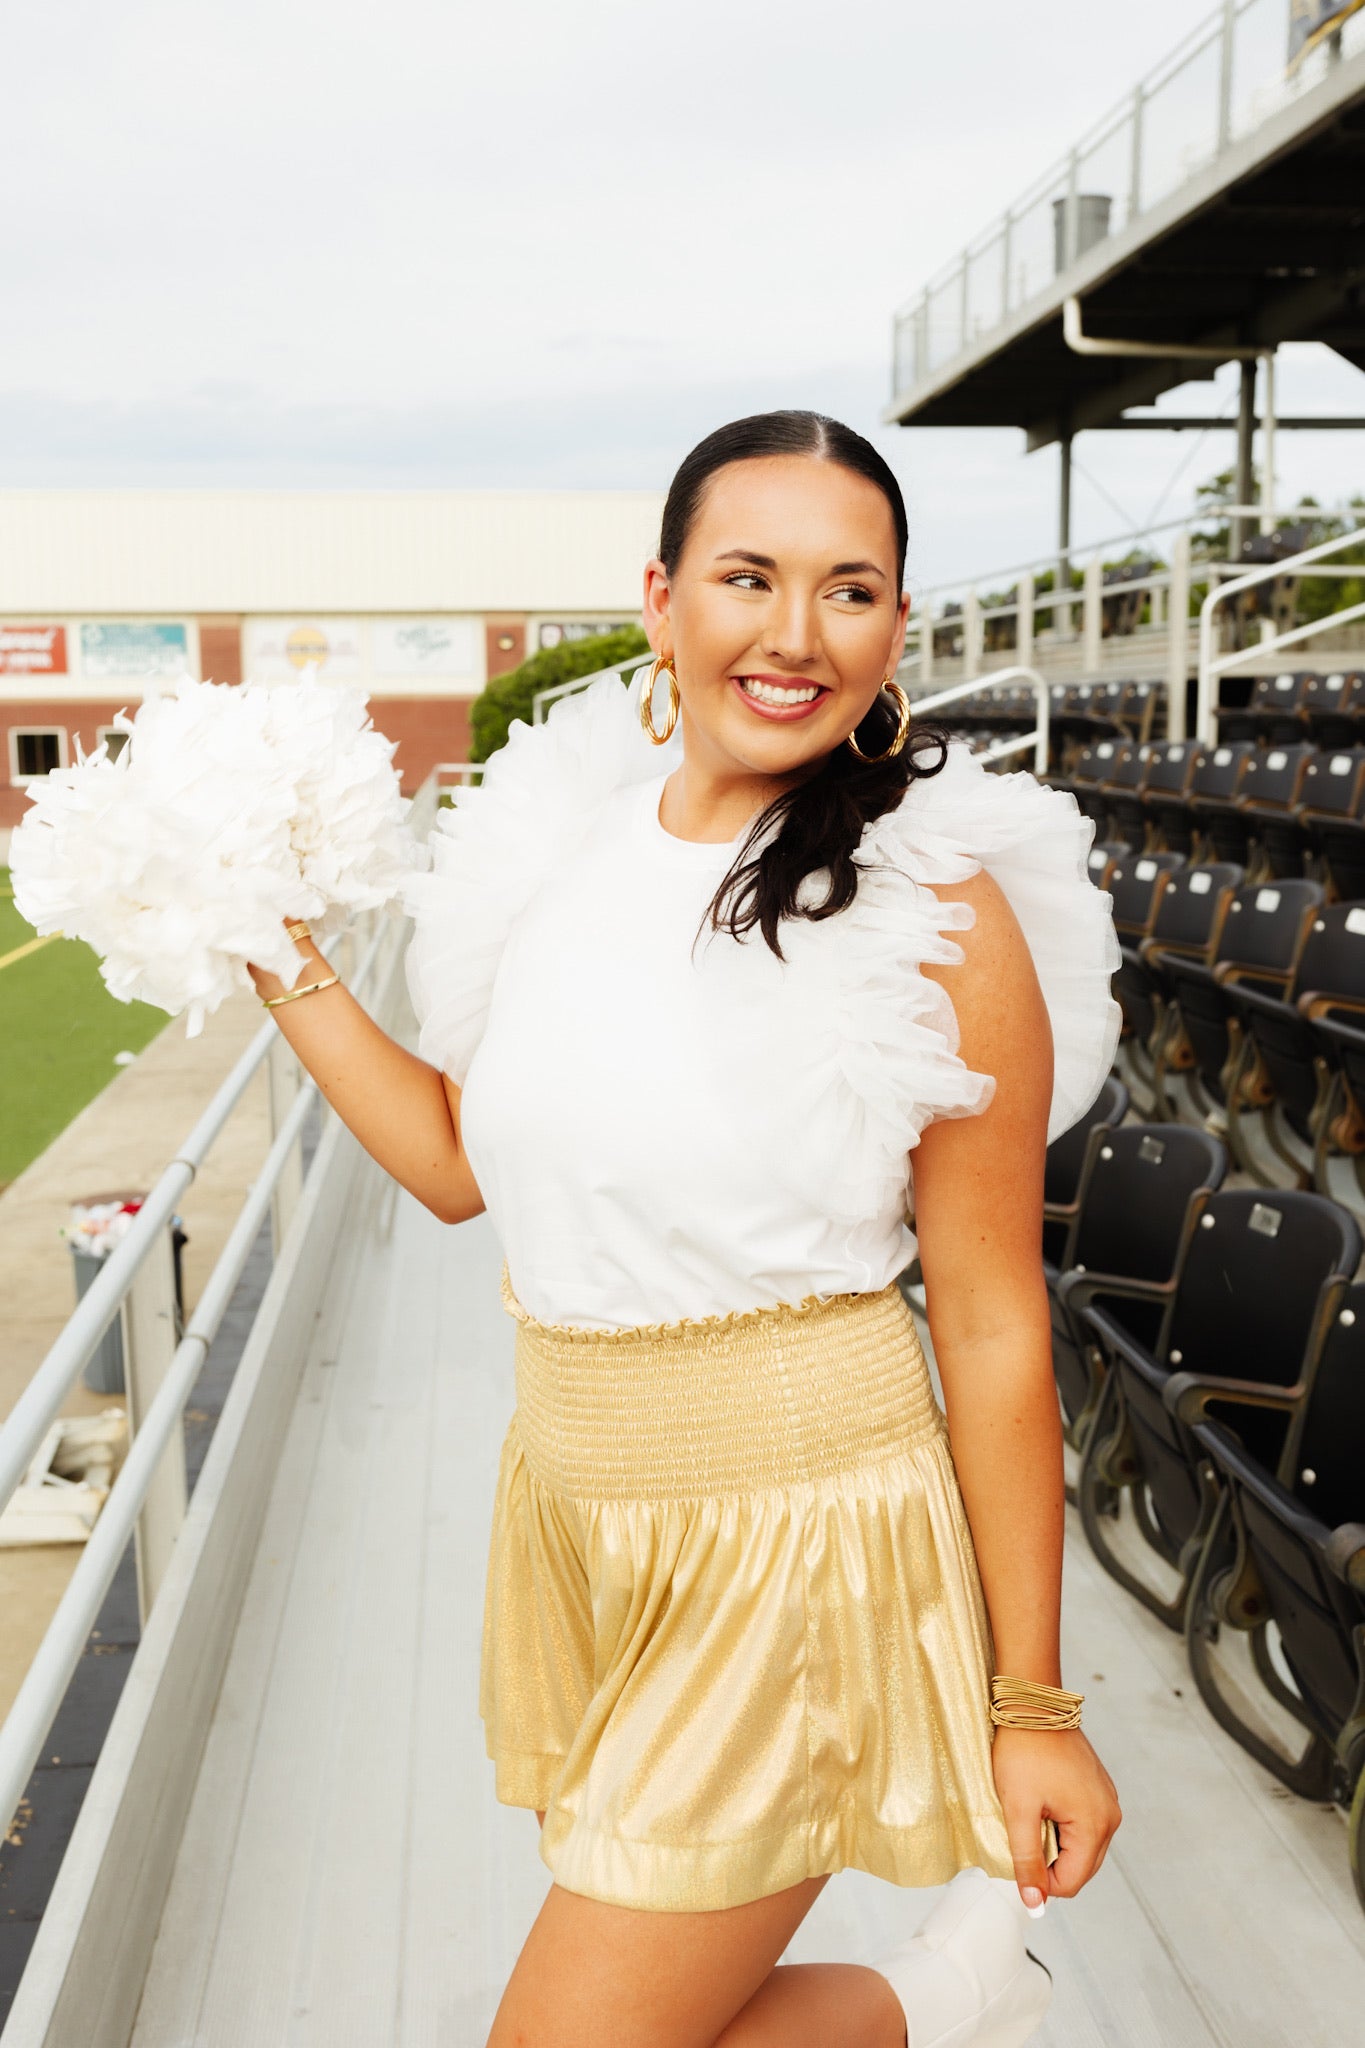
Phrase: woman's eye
x=742 y=577
x=858 y=592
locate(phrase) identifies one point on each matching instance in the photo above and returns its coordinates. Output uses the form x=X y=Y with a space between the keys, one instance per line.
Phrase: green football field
x=60 y=1029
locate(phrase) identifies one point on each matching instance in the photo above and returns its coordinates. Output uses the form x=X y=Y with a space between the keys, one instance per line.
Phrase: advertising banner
x=427 y=647
x=277 y=650
x=122 y=650
x=32 y=650
x=1310 y=21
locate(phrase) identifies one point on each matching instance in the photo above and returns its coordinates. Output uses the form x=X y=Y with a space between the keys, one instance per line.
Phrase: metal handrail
x=1212 y=667
x=996 y=751
x=40 y=1695
x=554 y=691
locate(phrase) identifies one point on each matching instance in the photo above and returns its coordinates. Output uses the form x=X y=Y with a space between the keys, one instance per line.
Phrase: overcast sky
x=542 y=242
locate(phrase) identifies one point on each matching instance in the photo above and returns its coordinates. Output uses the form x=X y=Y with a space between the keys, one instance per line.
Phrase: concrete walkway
x=119 y=1142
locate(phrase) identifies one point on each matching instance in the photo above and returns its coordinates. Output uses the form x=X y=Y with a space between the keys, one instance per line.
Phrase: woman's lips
x=784 y=713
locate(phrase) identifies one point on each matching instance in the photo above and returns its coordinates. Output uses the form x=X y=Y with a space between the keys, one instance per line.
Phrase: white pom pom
x=229 y=810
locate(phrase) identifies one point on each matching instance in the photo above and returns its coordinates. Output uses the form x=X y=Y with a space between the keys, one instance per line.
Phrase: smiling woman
x=748 y=1589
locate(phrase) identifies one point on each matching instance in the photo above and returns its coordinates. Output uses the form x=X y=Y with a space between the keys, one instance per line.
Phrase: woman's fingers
x=1025 y=1826
x=1082 y=1850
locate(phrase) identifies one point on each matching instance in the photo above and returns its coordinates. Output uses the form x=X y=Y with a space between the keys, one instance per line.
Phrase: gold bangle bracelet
x=297 y=930
x=292 y=995
x=1024 y=1703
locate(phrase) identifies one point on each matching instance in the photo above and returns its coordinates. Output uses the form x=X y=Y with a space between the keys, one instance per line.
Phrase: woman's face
x=783 y=616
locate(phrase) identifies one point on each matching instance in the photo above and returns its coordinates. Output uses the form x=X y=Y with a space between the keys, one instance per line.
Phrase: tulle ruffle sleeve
x=499 y=840
x=880 y=1038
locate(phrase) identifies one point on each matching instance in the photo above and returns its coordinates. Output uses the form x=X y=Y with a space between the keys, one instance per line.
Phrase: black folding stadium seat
x=1137 y=708
x=1281 y=1063
x=1190 y=915
x=1123 y=789
x=1333 y=706
x=1212 y=797
x=1132 y=1217
x=1136 y=885
x=1288 y=1548
x=1088 y=776
x=1065 y=1159
x=1339 y=1124
x=1272 y=790
x=1276 y=707
x=1332 y=818
x=1170 y=770
x=1248 y=1291
x=1103 y=857
x=1264 y=932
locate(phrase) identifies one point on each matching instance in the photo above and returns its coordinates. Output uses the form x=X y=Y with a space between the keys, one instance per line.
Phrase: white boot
x=965 y=1978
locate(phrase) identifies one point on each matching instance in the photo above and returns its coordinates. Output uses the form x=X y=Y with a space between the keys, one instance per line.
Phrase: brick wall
x=78 y=718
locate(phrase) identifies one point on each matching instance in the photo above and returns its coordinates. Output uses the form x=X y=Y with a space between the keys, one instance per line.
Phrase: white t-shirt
x=662 y=1129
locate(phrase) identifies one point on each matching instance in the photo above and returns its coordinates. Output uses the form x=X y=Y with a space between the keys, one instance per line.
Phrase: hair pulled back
x=820 y=821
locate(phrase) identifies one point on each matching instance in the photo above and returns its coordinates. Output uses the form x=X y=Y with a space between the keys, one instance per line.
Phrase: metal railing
x=543 y=699
x=1015 y=743
x=1213 y=667
x=1227 y=78
x=148 y=1497
x=1163 y=648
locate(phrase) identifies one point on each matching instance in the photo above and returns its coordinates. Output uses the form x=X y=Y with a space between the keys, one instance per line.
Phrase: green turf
x=60 y=1028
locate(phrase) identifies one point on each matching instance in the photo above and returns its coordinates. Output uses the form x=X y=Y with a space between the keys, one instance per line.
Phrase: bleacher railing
x=148 y=1499
x=1213 y=666
x=1226 y=79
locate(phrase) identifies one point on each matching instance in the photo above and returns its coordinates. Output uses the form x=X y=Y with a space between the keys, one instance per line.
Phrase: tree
x=509 y=697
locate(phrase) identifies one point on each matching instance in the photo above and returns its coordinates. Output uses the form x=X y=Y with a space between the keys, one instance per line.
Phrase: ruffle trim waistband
x=685 y=1326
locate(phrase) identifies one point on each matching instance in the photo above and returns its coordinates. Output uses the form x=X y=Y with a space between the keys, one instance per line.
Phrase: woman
x=692 y=1002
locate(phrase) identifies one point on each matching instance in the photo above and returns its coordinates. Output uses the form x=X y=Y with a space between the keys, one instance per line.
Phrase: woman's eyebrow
x=767 y=562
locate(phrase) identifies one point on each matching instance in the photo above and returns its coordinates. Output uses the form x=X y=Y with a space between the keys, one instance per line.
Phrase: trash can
x=98 y=1223
x=1092 y=225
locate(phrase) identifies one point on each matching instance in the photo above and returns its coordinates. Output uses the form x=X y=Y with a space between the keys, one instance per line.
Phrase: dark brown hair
x=821 y=821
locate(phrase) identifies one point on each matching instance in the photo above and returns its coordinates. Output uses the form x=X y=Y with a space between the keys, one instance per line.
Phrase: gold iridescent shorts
x=734 y=1633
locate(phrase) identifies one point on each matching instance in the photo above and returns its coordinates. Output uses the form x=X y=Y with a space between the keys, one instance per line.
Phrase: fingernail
x=1033 y=1901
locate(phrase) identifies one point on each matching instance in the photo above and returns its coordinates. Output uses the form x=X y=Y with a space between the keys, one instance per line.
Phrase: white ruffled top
x=663 y=1130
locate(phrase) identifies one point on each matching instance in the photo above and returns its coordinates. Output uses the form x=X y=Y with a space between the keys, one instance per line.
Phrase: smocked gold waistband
x=721 y=1404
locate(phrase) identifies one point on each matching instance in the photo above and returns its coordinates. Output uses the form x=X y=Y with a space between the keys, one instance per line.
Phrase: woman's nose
x=790 y=633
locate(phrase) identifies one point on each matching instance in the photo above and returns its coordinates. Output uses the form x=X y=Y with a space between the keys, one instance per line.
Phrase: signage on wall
x=132 y=649
x=1312 y=21
x=553 y=631
x=278 y=650
x=427 y=647
x=32 y=650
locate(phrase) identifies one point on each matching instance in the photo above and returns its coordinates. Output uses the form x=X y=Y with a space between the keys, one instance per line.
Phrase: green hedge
x=508 y=697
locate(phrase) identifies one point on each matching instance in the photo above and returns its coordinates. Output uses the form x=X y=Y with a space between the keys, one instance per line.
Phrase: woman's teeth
x=769 y=693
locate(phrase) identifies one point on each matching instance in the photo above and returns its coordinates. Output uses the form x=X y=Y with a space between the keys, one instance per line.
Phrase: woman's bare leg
x=591 y=1972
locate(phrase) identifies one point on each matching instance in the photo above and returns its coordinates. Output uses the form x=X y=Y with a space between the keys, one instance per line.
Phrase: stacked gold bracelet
x=1023 y=1703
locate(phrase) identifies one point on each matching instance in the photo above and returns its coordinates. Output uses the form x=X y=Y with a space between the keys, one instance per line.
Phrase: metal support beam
x=1246 y=428
x=1061 y=613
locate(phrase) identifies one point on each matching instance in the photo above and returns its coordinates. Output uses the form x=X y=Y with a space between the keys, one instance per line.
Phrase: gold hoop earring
x=647 y=701
x=902 y=702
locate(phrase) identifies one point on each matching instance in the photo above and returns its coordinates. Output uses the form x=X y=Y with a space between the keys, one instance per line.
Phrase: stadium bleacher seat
x=1066 y=1158
x=1190 y=914
x=1287 y=1548
x=1247 y=1289
x=1219 y=777
x=1268 y=801
x=1165 y=795
x=1258 y=947
x=1282 y=1063
x=1133 y=1212
x=1331 y=817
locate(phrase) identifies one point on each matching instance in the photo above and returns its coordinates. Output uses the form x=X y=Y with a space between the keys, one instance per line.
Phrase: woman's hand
x=1053 y=1774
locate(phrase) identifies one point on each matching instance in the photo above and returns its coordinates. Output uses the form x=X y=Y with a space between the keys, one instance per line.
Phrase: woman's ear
x=655 y=606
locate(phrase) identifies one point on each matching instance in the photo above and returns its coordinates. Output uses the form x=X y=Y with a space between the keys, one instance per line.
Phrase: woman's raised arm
x=404 y=1112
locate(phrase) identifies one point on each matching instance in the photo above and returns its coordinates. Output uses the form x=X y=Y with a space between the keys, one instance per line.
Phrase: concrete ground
x=119 y=1142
